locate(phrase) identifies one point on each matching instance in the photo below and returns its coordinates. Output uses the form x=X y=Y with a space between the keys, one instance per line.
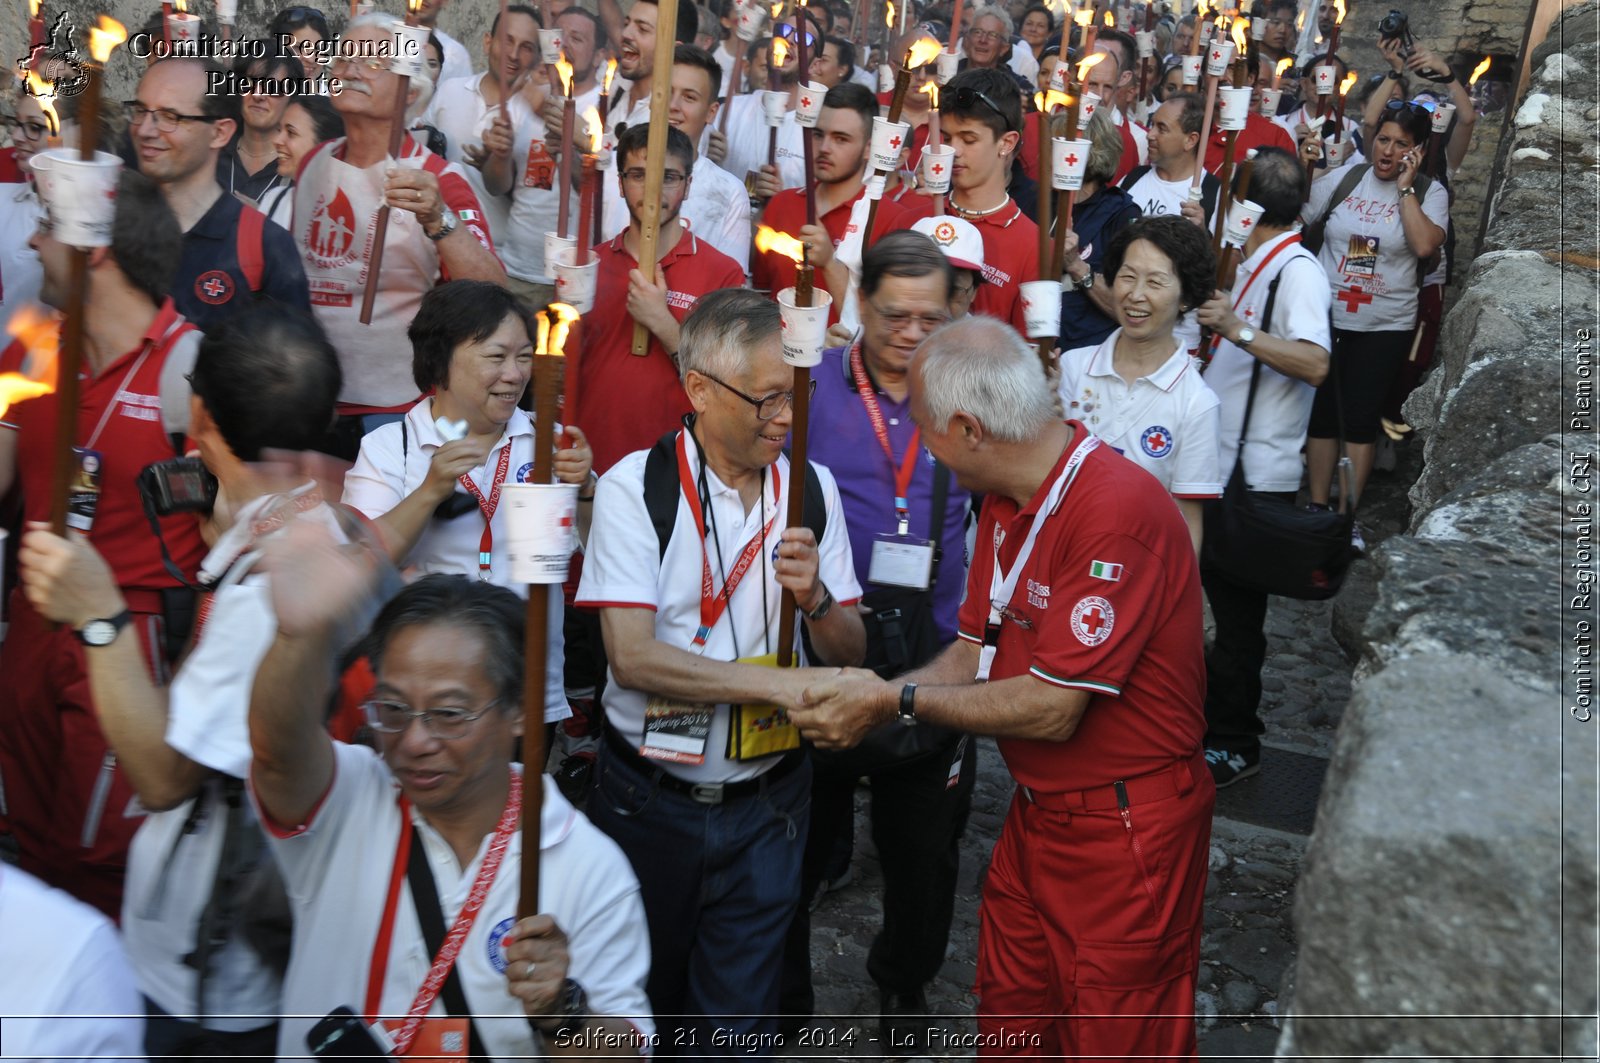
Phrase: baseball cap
x=958 y=238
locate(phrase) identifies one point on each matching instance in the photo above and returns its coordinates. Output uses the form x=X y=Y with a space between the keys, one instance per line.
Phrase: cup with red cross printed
x=575 y=284
x=1088 y=103
x=1218 y=56
x=183 y=27
x=1243 y=217
x=809 y=106
x=1268 y=105
x=554 y=244
x=1325 y=77
x=936 y=164
x=751 y=17
x=1441 y=117
x=774 y=105
x=1191 y=69
x=1068 y=161
x=1041 y=308
x=410 y=50
x=1147 y=43
x=888 y=138
x=541 y=530
x=550 y=45
x=1335 y=152
x=1233 y=108
x=803 y=329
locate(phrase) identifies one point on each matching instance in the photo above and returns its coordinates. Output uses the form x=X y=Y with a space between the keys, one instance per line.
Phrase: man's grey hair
x=995 y=11
x=981 y=367
x=371 y=18
x=721 y=330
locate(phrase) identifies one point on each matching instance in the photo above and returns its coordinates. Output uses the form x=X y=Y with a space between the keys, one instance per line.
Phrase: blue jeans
x=720 y=884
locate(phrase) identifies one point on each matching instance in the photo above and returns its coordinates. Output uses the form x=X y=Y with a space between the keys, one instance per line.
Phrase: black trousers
x=1233 y=667
x=917 y=822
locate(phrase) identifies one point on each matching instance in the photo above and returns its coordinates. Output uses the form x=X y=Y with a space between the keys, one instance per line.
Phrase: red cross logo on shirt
x=1249 y=312
x=214 y=287
x=1158 y=441
x=1094 y=620
x=1354 y=299
x=894 y=142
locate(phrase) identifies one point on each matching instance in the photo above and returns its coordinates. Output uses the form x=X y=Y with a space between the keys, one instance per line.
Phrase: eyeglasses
x=166 y=119
x=31 y=130
x=786 y=31
x=372 y=64
x=986 y=35
x=964 y=99
x=897 y=320
x=447 y=722
x=669 y=178
x=766 y=408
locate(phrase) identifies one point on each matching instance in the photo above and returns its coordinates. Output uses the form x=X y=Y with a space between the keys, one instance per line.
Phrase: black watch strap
x=908 y=704
x=823 y=606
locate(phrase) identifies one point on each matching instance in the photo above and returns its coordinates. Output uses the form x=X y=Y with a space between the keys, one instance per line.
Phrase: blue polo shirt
x=1096 y=220
x=209 y=284
x=841 y=438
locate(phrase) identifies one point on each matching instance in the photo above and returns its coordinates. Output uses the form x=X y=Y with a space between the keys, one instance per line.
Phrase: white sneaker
x=1358 y=542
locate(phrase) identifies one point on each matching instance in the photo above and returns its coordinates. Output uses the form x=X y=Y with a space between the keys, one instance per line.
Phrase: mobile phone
x=342 y=1033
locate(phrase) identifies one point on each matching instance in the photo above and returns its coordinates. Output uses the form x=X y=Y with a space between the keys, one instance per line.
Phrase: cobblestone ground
x=1248 y=945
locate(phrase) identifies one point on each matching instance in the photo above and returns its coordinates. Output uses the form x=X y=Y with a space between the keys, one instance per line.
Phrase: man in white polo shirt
x=701 y=780
x=1289 y=347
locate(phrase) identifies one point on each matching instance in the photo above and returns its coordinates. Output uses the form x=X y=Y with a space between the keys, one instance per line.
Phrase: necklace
x=965 y=212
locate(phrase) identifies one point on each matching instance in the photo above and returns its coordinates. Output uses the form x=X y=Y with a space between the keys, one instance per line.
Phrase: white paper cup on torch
x=1191 y=68
x=79 y=197
x=1068 y=161
x=751 y=17
x=945 y=66
x=1335 y=152
x=541 y=530
x=1218 y=58
x=1270 y=99
x=183 y=28
x=227 y=11
x=1258 y=28
x=1325 y=78
x=554 y=244
x=1242 y=218
x=1041 y=308
x=885 y=77
x=1058 y=77
x=550 y=46
x=809 y=106
x=1233 y=108
x=936 y=164
x=1147 y=43
x=1088 y=103
x=410 y=50
x=887 y=140
x=1441 y=117
x=804 y=328
x=575 y=284
x=773 y=106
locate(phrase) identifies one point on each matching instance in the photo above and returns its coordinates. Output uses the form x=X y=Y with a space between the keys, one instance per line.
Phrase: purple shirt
x=841 y=438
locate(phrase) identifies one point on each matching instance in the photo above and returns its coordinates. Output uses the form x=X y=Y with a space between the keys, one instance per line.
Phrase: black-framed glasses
x=447 y=722
x=769 y=406
x=31 y=130
x=786 y=31
x=963 y=99
x=896 y=320
x=167 y=120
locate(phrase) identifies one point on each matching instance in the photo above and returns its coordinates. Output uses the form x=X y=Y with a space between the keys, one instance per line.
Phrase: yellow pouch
x=756 y=731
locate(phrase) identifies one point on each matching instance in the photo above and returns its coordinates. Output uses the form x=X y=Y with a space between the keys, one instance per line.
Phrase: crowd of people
x=262 y=704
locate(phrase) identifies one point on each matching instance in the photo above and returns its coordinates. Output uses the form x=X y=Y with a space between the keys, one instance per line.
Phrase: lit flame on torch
x=564 y=72
x=932 y=89
x=1088 y=64
x=1338 y=12
x=39 y=333
x=33 y=8
x=777 y=10
x=180 y=7
x=611 y=72
x=564 y=315
x=780 y=243
x=105 y=37
x=1478 y=71
x=541 y=342
x=1047 y=102
x=1241 y=36
x=780 y=51
x=43 y=95
x=888 y=13
x=1348 y=83
x=922 y=52
x=591 y=125
x=413 y=7
x=1085 y=15
x=1283 y=66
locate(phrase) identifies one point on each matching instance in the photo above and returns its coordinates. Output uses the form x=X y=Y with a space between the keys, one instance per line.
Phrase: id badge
x=1361 y=257
x=84 y=496
x=900 y=561
x=756 y=731
x=675 y=731
x=440 y=1038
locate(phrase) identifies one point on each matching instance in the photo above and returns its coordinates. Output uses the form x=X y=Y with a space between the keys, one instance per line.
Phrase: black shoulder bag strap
x=425 y=898
x=941 y=495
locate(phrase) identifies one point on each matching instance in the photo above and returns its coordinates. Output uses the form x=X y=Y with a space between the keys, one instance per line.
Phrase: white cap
x=959 y=239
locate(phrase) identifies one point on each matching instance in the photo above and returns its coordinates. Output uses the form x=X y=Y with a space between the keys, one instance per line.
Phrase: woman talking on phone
x=1382 y=224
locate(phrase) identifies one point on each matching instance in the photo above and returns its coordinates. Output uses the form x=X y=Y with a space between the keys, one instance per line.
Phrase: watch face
x=99 y=632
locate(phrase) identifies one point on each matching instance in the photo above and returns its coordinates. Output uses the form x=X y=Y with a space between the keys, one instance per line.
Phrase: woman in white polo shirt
x=431 y=480
x=1138 y=389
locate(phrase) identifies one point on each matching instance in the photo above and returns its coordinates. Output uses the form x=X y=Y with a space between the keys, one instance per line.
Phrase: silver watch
x=1247 y=336
x=447 y=225
x=1086 y=283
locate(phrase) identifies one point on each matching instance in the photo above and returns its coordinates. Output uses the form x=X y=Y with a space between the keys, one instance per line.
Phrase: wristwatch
x=1408 y=190
x=573 y=1011
x=822 y=607
x=1086 y=283
x=100 y=632
x=447 y=225
x=1247 y=336
x=1395 y=75
x=908 y=704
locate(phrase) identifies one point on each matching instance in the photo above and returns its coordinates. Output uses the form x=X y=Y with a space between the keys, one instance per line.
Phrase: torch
x=923 y=51
x=103 y=39
x=1338 y=24
x=403 y=64
x=1087 y=18
x=591 y=188
x=655 y=157
x=1216 y=53
x=750 y=16
x=35 y=26
x=1231 y=135
x=166 y=24
x=569 y=118
x=1345 y=86
x=777 y=55
x=934 y=148
x=1245 y=221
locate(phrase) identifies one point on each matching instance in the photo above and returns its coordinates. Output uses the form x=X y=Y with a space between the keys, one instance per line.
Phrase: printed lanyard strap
x=1003 y=584
x=486 y=540
x=713 y=605
x=907 y=465
x=434 y=982
x=1238 y=300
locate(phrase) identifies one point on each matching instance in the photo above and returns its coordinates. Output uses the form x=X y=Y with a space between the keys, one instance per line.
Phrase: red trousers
x=67 y=800
x=1089 y=933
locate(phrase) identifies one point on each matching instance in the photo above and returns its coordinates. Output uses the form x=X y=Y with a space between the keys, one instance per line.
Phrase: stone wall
x=1454 y=855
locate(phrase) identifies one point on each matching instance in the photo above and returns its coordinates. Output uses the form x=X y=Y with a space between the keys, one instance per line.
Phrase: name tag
x=83 y=498
x=675 y=731
x=898 y=561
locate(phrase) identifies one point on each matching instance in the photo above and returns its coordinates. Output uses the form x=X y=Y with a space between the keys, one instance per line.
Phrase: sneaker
x=1318 y=507
x=1358 y=542
x=903 y=1022
x=1228 y=767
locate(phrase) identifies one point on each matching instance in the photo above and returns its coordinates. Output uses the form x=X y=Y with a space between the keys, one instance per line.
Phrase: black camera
x=342 y=1033
x=1396 y=27
x=178 y=485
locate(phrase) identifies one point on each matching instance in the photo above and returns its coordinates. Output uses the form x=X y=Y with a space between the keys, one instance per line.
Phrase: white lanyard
x=1003 y=584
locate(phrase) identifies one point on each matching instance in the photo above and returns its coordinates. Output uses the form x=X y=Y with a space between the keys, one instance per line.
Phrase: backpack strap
x=1314 y=234
x=1210 y=187
x=252 y=259
x=1133 y=177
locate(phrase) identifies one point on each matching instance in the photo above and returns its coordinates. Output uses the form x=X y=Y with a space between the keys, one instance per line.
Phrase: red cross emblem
x=1094 y=620
x=214 y=287
x=1354 y=299
x=894 y=142
x=565 y=521
x=1158 y=441
x=1245 y=223
x=1249 y=312
x=1216 y=57
x=805 y=101
x=1072 y=160
x=938 y=168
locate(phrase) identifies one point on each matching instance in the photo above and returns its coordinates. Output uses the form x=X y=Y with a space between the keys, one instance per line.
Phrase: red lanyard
x=907 y=465
x=1238 y=300
x=713 y=605
x=434 y=982
x=486 y=540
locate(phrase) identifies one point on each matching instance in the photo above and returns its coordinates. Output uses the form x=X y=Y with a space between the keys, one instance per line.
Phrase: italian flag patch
x=1105 y=570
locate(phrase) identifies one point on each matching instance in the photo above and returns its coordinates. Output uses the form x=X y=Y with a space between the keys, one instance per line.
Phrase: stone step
x=1283 y=796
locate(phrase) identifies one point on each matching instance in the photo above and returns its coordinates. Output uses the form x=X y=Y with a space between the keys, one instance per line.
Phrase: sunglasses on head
x=1425 y=107
x=964 y=99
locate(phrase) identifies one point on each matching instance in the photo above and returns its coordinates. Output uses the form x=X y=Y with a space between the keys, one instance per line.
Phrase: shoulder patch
x=1092 y=620
x=1156 y=441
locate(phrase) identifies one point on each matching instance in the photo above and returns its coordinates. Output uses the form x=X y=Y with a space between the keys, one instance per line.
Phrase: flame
x=105 y=37
x=611 y=72
x=43 y=94
x=40 y=334
x=1088 y=64
x=922 y=52
x=1338 y=12
x=781 y=243
x=33 y=8
x=565 y=314
x=888 y=13
x=780 y=51
x=1241 y=36
x=1348 y=83
x=564 y=71
x=777 y=10
x=1283 y=65
x=1300 y=21
x=1084 y=15
x=1478 y=71
x=413 y=6
x=541 y=343
x=932 y=89
x=180 y=6
x=593 y=126
x=1200 y=11
x=1111 y=20
x=1047 y=102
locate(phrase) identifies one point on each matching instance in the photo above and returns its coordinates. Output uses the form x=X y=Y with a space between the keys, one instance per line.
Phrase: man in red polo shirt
x=67 y=799
x=981 y=116
x=840 y=142
x=1080 y=651
x=631 y=402
x=1258 y=132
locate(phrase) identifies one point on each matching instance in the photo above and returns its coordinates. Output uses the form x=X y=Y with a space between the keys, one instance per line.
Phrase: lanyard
x=1238 y=300
x=486 y=540
x=1003 y=584
x=908 y=464
x=713 y=605
x=434 y=982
